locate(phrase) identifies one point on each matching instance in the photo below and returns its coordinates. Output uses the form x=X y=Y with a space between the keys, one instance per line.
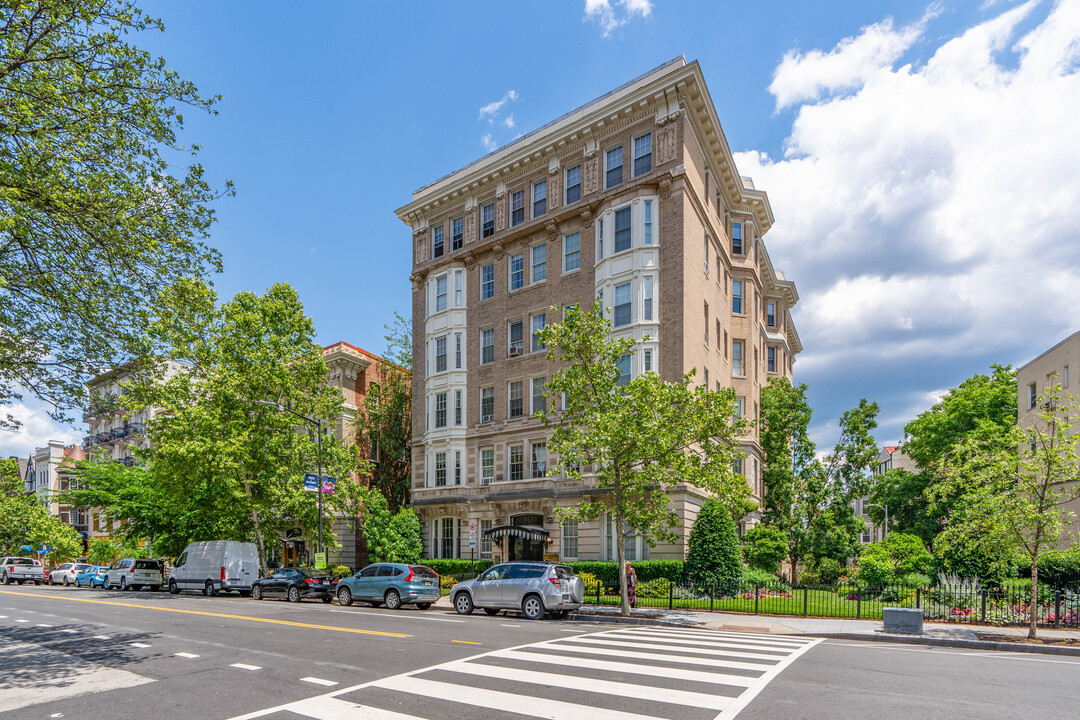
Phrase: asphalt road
x=109 y=654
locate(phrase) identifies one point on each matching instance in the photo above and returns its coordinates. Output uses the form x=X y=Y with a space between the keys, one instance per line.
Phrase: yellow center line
x=466 y=642
x=213 y=614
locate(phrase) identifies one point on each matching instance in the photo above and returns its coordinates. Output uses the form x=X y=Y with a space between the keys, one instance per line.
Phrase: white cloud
x=488 y=142
x=509 y=121
x=37 y=429
x=608 y=17
x=491 y=110
x=854 y=60
x=929 y=213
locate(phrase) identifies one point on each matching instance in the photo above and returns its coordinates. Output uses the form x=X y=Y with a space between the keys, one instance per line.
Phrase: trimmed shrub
x=714 y=559
x=897 y=555
x=756 y=577
x=658 y=588
x=823 y=571
x=457 y=567
x=764 y=547
x=608 y=572
x=340 y=571
x=1059 y=568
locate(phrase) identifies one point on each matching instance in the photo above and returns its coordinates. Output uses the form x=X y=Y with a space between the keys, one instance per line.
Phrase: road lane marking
x=228 y=616
x=242 y=666
x=2 y=617
x=43 y=625
x=563 y=661
x=21 y=620
x=467 y=642
x=69 y=630
x=383 y=615
x=995 y=654
x=743 y=700
x=186 y=655
x=656 y=657
x=139 y=645
x=101 y=637
x=319 y=681
x=719 y=649
x=513 y=626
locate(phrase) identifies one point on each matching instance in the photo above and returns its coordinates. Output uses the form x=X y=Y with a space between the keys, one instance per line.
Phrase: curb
x=1067 y=650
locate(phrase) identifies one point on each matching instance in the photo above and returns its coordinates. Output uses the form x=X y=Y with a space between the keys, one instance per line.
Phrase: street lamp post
x=886 y=509
x=319 y=482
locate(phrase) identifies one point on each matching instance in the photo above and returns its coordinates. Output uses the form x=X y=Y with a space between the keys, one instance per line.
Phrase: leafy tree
x=641 y=438
x=713 y=559
x=97 y=213
x=24 y=521
x=764 y=547
x=1014 y=485
x=390 y=536
x=384 y=425
x=897 y=555
x=399 y=342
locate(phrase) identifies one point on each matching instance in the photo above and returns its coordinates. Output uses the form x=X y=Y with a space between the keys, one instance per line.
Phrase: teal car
x=91 y=577
x=391 y=584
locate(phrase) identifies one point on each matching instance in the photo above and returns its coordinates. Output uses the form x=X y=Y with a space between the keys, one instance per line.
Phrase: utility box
x=903 y=621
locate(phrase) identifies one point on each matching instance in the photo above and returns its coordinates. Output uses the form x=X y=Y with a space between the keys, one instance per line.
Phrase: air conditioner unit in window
x=485 y=418
x=515 y=350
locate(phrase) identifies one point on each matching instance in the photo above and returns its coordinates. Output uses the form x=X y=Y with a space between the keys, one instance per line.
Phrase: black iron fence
x=963 y=602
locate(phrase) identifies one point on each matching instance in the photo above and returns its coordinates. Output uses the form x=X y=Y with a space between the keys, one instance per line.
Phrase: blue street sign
x=311 y=483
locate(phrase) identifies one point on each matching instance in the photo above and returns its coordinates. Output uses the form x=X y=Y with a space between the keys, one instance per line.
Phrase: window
x=539 y=460
x=573 y=184
x=437 y=241
x=569 y=540
x=539 y=263
x=485 y=539
x=539 y=402
x=487 y=404
x=624 y=370
x=705 y=379
x=706 y=325
x=725 y=342
x=440 y=410
x=770 y=355
x=440 y=469
x=440 y=354
x=517 y=207
x=648 y=222
x=736 y=238
x=457 y=351
x=457 y=408
x=538 y=322
x=622 y=305
x=740 y=407
x=517 y=408
x=647 y=360
x=487 y=345
x=517 y=462
x=487 y=220
x=613 y=167
x=571 y=252
x=623 y=231
x=487 y=466
x=737 y=347
x=457 y=234
x=642 y=154
x=517 y=271
x=770 y=314
x=1033 y=396
x=515 y=335
x=457 y=467
x=459 y=288
x=736 y=296
x=487 y=281
x=440 y=293
x=646 y=311
x=718 y=337
x=448 y=538
x=706 y=253
x=539 y=198
x=1065 y=377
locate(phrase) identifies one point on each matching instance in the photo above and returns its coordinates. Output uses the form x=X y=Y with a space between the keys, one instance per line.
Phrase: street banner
x=311 y=484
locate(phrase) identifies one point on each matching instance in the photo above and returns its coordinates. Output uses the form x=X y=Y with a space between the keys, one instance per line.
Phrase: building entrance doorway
x=526 y=548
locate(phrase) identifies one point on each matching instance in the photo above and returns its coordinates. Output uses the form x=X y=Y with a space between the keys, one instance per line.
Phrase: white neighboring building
x=891 y=456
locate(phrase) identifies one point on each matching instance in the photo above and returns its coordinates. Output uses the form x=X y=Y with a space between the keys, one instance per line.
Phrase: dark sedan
x=294 y=585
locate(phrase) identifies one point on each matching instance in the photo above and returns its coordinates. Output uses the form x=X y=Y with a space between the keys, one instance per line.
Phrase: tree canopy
x=26 y=522
x=98 y=213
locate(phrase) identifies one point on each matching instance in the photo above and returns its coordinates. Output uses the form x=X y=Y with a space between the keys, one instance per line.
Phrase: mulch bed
x=1024 y=640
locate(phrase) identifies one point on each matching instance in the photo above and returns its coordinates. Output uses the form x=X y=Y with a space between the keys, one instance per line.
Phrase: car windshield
x=423 y=572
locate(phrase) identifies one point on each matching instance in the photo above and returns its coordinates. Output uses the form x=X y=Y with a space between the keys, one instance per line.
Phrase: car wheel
x=136 y=588
x=344 y=596
x=423 y=606
x=463 y=604
x=105 y=583
x=6 y=580
x=36 y=583
x=174 y=589
x=393 y=599
x=66 y=581
x=532 y=607
x=256 y=592
x=327 y=599
x=49 y=581
x=208 y=589
x=491 y=611
x=123 y=584
x=294 y=594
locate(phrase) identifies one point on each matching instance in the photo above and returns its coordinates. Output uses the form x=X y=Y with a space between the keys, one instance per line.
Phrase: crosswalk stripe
x=331 y=708
x=506 y=702
x=703 y=637
x=632 y=655
x=701 y=645
x=588 y=684
x=696 y=632
x=633 y=668
x=630 y=643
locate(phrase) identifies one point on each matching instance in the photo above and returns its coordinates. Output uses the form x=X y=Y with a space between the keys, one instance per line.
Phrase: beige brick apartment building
x=633 y=198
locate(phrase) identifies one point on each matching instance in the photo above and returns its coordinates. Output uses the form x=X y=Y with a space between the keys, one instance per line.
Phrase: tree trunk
x=620 y=553
x=1033 y=608
x=263 y=569
x=794 y=569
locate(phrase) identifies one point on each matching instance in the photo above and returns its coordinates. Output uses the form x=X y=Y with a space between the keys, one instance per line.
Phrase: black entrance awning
x=525 y=532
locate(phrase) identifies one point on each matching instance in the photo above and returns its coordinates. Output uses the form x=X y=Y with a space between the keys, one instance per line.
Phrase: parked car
x=294 y=584
x=20 y=569
x=531 y=587
x=134 y=574
x=93 y=576
x=216 y=566
x=66 y=573
x=394 y=584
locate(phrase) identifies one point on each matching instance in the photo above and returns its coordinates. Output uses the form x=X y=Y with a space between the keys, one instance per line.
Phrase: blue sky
x=895 y=140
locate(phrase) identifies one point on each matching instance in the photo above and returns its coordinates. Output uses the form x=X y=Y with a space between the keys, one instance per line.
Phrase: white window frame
x=629 y=229
x=537 y=268
x=440 y=397
x=485 y=540
x=510 y=271
x=510 y=202
x=510 y=398
x=492 y=415
x=533 y=405
x=567 y=252
x=534 y=343
x=532 y=205
x=635 y=157
x=621 y=166
x=483 y=346
x=487 y=469
x=486 y=284
x=629 y=305
x=569 y=531
x=510 y=461
x=445 y=294
x=566 y=181
x=647 y=308
x=738 y=359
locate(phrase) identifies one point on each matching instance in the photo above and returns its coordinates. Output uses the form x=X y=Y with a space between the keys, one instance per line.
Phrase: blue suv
x=392 y=584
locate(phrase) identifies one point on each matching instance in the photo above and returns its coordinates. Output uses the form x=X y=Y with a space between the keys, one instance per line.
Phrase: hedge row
x=457 y=567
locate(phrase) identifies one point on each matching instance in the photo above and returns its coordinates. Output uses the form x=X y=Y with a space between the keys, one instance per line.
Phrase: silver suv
x=531 y=587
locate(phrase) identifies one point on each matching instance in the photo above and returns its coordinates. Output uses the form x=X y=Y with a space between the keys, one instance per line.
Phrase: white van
x=215 y=566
